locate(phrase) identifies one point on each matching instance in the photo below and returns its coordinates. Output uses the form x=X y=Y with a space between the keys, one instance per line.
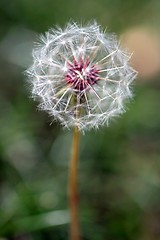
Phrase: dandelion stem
x=73 y=191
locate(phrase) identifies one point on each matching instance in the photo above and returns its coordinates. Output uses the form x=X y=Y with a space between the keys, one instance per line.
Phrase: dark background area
x=119 y=172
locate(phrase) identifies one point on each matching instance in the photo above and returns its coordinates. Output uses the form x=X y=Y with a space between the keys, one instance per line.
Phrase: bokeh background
x=119 y=171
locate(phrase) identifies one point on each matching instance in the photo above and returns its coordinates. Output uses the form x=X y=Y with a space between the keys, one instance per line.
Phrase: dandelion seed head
x=81 y=76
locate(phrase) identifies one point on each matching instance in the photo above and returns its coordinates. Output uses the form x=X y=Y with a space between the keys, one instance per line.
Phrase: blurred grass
x=119 y=166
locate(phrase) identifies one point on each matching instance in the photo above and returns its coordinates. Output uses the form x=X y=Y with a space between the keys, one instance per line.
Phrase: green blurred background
x=119 y=172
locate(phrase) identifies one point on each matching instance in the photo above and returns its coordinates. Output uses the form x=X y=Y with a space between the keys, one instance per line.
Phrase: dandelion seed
x=81 y=76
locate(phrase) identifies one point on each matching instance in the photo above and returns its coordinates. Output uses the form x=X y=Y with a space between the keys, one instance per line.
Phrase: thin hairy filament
x=73 y=191
x=106 y=57
x=111 y=69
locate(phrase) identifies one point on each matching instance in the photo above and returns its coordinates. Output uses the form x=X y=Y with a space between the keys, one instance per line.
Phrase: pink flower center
x=81 y=75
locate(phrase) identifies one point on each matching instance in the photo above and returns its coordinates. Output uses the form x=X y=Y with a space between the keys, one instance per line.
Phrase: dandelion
x=82 y=79
x=80 y=76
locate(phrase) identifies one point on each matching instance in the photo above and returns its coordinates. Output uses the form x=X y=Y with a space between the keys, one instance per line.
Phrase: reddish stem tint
x=73 y=191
